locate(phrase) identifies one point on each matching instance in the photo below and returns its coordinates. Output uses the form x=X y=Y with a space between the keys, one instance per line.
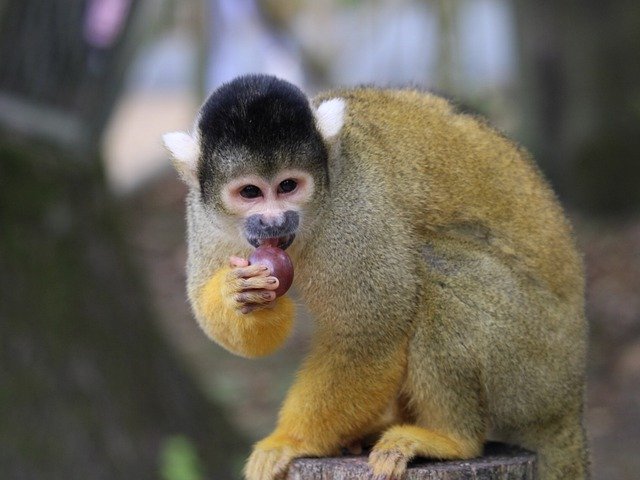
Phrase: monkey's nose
x=266 y=226
x=275 y=221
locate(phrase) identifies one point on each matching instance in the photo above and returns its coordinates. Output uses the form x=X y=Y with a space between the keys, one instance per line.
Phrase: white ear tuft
x=185 y=151
x=183 y=147
x=330 y=117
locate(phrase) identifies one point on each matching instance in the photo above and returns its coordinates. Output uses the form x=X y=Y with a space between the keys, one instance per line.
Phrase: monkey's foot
x=389 y=457
x=401 y=443
x=388 y=464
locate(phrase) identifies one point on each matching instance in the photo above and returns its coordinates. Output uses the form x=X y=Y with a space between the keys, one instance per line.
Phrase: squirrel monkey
x=439 y=268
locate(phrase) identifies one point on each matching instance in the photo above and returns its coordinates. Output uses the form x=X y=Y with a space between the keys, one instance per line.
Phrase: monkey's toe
x=268 y=464
x=388 y=464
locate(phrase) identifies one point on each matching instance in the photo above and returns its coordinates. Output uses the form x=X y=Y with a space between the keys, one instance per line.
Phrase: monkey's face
x=259 y=158
x=269 y=209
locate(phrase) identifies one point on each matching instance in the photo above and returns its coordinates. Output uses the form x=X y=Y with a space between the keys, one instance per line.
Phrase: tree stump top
x=499 y=462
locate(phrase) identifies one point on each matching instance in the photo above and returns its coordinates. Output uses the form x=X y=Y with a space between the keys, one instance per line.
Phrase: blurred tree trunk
x=580 y=77
x=62 y=65
x=88 y=387
x=448 y=34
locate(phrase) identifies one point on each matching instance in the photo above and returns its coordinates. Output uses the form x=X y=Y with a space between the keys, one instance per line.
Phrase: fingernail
x=272 y=280
x=266 y=295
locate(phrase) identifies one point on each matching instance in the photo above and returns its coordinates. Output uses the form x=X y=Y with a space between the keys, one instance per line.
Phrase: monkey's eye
x=250 y=191
x=288 y=185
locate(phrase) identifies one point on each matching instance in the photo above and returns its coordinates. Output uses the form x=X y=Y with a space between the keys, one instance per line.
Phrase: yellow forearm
x=250 y=335
x=332 y=404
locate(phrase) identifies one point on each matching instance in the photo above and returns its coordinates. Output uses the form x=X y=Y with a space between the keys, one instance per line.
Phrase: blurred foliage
x=179 y=459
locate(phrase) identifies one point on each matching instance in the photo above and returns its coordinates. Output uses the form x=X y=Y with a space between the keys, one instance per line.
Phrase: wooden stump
x=499 y=462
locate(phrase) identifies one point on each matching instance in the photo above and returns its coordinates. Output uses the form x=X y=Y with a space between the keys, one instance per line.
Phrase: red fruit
x=278 y=263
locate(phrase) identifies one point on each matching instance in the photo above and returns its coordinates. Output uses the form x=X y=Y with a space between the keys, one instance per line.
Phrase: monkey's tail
x=561 y=447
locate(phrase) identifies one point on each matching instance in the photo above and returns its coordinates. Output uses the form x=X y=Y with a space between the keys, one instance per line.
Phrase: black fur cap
x=267 y=117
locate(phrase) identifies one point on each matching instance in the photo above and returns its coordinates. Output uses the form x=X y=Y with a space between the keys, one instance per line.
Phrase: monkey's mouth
x=280 y=242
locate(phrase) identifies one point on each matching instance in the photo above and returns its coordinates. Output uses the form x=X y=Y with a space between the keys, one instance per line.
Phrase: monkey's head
x=258 y=157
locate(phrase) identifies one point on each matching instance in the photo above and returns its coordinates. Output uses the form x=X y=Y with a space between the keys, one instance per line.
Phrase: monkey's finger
x=259 y=283
x=238 y=261
x=251 y=271
x=255 y=297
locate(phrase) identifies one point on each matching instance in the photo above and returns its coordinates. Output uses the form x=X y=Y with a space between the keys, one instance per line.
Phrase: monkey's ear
x=330 y=117
x=184 y=150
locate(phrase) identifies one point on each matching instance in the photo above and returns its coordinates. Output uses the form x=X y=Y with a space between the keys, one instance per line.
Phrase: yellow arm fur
x=253 y=334
x=320 y=415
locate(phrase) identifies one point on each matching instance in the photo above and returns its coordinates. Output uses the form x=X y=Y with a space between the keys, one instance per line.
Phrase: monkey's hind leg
x=401 y=443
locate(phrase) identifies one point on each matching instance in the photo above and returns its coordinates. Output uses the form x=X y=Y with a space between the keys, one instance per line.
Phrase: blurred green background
x=103 y=372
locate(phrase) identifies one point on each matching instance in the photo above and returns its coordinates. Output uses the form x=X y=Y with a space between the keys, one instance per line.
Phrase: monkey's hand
x=251 y=286
x=237 y=308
